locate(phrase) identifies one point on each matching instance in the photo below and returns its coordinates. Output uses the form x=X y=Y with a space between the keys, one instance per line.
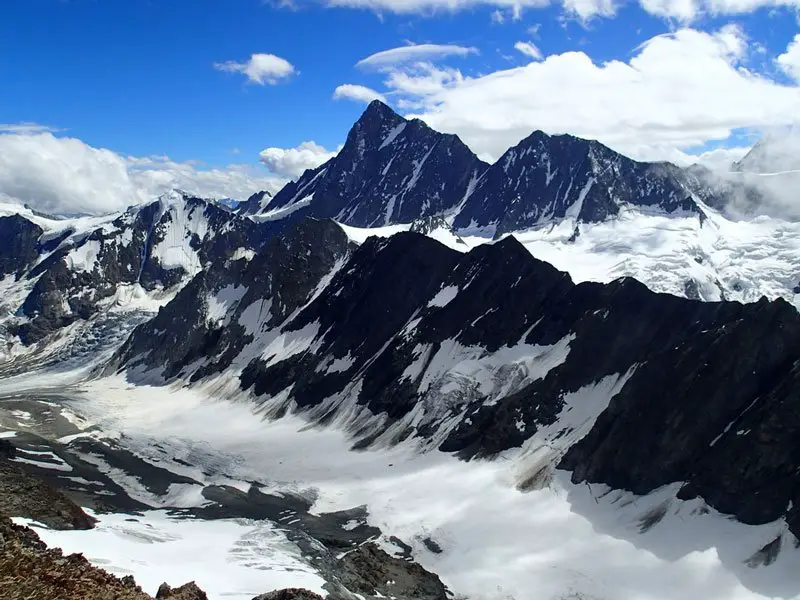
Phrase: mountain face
x=70 y=270
x=390 y=170
x=548 y=178
x=491 y=350
x=775 y=153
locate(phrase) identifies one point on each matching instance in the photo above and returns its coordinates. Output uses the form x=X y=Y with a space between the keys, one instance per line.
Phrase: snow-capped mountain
x=776 y=152
x=483 y=352
x=250 y=350
x=390 y=170
x=57 y=272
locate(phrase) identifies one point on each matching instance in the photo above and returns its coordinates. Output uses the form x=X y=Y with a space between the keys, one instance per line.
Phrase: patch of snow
x=229 y=559
x=84 y=258
x=284 y=211
x=241 y=253
x=392 y=136
x=444 y=296
x=220 y=303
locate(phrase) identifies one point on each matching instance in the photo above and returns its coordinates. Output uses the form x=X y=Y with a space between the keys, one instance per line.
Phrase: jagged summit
x=390 y=170
x=553 y=177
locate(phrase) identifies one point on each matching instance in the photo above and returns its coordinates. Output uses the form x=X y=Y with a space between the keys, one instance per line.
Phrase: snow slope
x=712 y=260
x=231 y=559
x=557 y=541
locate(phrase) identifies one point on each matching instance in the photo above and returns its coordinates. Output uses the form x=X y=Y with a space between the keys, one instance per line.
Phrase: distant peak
x=377 y=110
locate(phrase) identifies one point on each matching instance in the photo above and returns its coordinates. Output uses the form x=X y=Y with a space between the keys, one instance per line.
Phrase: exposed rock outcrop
x=24 y=496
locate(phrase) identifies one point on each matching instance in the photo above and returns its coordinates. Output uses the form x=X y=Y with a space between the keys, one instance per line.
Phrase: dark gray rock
x=19 y=247
x=22 y=495
x=370 y=571
x=255 y=203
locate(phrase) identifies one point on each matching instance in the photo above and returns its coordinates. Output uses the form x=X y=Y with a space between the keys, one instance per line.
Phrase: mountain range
x=398 y=293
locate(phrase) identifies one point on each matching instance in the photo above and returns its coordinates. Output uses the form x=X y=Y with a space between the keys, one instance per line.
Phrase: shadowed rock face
x=24 y=496
x=385 y=326
x=20 y=246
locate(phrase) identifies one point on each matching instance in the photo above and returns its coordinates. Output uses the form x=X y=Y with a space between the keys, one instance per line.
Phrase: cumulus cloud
x=413 y=53
x=718 y=159
x=262 y=69
x=789 y=61
x=292 y=162
x=152 y=176
x=690 y=10
x=359 y=93
x=529 y=49
x=64 y=175
x=677 y=91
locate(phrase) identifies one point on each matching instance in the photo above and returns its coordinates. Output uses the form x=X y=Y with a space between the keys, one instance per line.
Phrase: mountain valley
x=411 y=374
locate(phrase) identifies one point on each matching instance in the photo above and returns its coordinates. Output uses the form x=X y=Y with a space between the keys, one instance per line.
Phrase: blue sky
x=139 y=77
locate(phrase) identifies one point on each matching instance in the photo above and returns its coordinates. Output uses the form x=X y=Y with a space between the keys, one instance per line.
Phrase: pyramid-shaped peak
x=377 y=110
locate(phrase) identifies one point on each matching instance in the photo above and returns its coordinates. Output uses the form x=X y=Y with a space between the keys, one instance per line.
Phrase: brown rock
x=189 y=591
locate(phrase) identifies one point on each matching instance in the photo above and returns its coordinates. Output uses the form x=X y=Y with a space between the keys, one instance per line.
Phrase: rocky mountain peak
x=390 y=170
x=548 y=178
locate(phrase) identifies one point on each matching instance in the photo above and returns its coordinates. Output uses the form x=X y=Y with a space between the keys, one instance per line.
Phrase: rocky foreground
x=31 y=570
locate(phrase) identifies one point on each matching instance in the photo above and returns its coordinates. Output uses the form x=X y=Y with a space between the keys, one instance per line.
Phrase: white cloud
x=65 y=175
x=718 y=159
x=26 y=128
x=684 y=11
x=260 y=68
x=588 y=9
x=152 y=176
x=677 y=91
x=529 y=49
x=690 y=10
x=292 y=162
x=359 y=93
x=413 y=53
x=789 y=61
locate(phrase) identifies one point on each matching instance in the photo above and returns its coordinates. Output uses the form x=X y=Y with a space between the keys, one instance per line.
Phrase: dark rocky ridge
x=548 y=178
x=392 y=170
x=699 y=382
x=255 y=203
